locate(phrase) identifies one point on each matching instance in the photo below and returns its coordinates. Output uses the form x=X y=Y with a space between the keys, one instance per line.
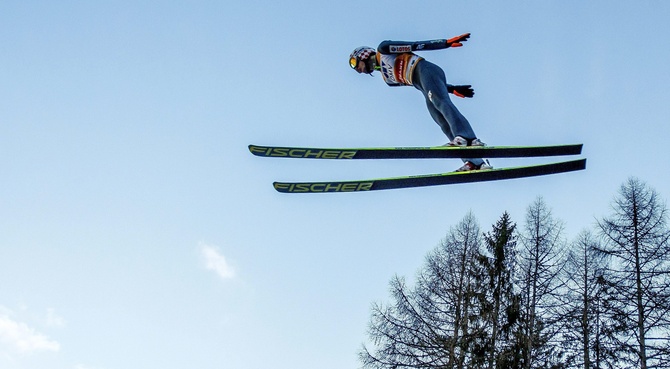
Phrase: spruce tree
x=498 y=306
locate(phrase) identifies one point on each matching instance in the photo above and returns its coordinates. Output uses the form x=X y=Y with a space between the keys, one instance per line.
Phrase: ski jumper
x=399 y=66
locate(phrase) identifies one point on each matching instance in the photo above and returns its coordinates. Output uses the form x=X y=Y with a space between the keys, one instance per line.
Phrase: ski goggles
x=353 y=62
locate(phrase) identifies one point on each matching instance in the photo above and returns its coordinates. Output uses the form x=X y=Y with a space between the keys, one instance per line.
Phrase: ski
x=432 y=152
x=430 y=179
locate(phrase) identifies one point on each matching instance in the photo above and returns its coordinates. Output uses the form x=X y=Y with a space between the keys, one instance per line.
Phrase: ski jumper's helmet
x=365 y=54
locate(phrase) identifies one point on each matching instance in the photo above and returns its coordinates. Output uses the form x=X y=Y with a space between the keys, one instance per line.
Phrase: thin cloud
x=54 y=320
x=216 y=262
x=23 y=338
x=81 y=366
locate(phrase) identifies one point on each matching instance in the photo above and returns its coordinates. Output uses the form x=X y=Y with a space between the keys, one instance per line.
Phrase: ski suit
x=399 y=66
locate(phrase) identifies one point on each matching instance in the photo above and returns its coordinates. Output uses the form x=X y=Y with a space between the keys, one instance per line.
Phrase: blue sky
x=137 y=231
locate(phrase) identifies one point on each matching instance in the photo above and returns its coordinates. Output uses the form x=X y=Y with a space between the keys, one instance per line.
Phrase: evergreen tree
x=499 y=310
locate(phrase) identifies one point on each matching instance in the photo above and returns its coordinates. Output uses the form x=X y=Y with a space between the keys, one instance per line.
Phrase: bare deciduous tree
x=431 y=325
x=588 y=331
x=540 y=262
x=636 y=238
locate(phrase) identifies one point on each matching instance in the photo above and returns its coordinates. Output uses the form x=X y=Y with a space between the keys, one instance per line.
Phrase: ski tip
x=258 y=150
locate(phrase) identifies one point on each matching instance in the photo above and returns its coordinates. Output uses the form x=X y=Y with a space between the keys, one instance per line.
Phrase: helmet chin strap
x=371 y=65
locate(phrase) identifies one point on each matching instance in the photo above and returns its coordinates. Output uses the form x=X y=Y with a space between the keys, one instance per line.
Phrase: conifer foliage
x=500 y=305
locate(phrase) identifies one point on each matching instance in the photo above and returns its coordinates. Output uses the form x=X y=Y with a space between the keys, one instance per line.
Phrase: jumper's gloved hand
x=461 y=91
x=458 y=40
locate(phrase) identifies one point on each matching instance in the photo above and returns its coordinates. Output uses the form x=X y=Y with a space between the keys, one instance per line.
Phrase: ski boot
x=469 y=166
x=461 y=141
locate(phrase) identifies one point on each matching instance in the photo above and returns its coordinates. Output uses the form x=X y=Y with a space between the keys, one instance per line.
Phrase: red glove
x=458 y=40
